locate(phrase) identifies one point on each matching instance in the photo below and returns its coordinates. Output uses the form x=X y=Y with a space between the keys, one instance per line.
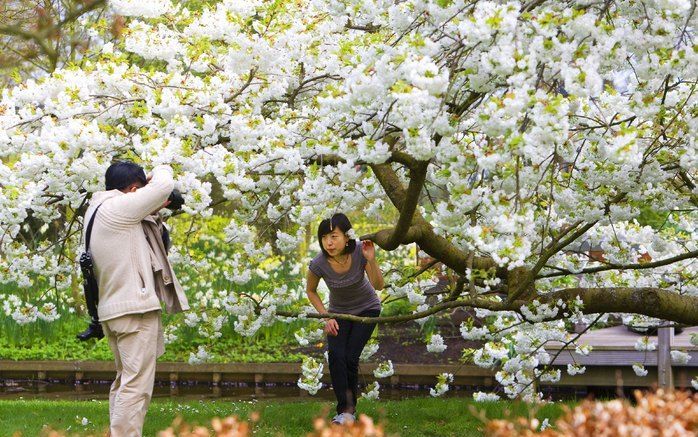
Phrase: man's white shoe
x=344 y=419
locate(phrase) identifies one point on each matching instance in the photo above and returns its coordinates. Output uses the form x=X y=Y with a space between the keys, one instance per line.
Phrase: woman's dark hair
x=326 y=226
x=122 y=174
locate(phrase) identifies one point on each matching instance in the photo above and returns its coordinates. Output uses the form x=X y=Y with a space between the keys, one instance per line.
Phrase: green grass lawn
x=412 y=417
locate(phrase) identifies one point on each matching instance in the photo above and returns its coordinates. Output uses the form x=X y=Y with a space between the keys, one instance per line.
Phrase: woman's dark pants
x=344 y=352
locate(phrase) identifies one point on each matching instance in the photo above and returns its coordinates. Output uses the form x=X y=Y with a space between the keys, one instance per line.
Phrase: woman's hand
x=373 y=270
x=369 y=250
x=331 y=327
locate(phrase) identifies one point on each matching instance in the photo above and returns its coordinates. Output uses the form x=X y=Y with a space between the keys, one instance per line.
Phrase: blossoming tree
x=43 y=35
x=503 y=135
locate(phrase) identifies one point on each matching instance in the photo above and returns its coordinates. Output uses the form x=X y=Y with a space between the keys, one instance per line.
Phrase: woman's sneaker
x=344 y=419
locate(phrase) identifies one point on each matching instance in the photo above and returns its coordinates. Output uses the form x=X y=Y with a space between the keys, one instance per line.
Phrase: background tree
x=36 y=37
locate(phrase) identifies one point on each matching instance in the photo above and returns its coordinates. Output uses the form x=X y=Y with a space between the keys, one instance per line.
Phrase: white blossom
x=372 y=391
x=442 y=386
x=639 y=369
x=479 y=396
x=149 y=9
x=583 y=349
x=694 y=339
x=436 y=344
x=311 y=372
x=384 y=370
x=644 y=344
x=680 y=357
x=552 y=376
x=574 y=369
x=369 y=350
x=304 y=338
x=201 y=356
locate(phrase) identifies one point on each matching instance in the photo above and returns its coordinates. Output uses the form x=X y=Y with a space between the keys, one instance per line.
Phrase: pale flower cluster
x=479 y=396
x=369 y=350
x=200 y=357
x=436 y=344
x=372 y=391
x=644 y=344
x=305 y=337
x=384 y=370
x=311 y=372
x=442 y=385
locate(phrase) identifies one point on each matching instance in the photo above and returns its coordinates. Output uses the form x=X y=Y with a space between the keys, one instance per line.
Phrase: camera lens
x=176 y=200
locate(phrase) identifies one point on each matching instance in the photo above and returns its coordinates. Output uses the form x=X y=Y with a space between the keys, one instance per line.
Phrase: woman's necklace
x=346 y=259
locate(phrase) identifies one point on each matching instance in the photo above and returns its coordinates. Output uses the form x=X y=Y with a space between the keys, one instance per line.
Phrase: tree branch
x=89 y=7
x=383 y=237
x=473 y=302
x=323 y=160
x=531 y=5
x=42 y=37
x=649 y=301
x=391 y=184
x=404 y=159
x=555 y=246
x=411 y=200
x=242 y=89
x=636 y=266
x=370 y=28
x=435 y=245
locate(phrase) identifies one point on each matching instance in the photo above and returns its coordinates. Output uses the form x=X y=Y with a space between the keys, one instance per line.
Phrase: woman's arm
x=311 y=283
x=373 y=270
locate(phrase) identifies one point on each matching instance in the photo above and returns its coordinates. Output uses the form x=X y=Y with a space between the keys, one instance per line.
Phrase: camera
x=90 y=289
x=176 y=200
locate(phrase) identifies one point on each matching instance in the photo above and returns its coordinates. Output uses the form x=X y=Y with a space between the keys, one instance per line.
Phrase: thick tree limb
x=409 y=205
x=649 y=301
x=442 y=249
x=391 y=184
x=383 y=237
x=435 y=245
x=652 y=302
x=404 y=159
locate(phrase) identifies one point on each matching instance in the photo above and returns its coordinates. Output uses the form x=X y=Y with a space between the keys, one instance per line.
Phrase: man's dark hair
x=339 y=221
x=122 y=174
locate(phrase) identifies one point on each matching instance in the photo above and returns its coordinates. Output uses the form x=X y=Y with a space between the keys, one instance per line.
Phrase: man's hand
x=332 y=327
x=164 y=205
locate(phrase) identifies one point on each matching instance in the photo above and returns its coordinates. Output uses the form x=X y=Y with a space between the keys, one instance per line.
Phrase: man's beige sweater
x=119 y=248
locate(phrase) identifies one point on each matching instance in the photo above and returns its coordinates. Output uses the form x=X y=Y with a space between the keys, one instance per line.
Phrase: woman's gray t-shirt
x=350 y=292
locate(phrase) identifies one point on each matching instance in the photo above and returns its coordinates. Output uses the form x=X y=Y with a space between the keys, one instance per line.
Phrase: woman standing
x=344 y=265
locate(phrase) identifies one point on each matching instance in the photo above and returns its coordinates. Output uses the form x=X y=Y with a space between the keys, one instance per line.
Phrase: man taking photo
x=134 y=276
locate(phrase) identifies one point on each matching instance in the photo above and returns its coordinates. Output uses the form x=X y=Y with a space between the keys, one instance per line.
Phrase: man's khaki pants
x=137 y=341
